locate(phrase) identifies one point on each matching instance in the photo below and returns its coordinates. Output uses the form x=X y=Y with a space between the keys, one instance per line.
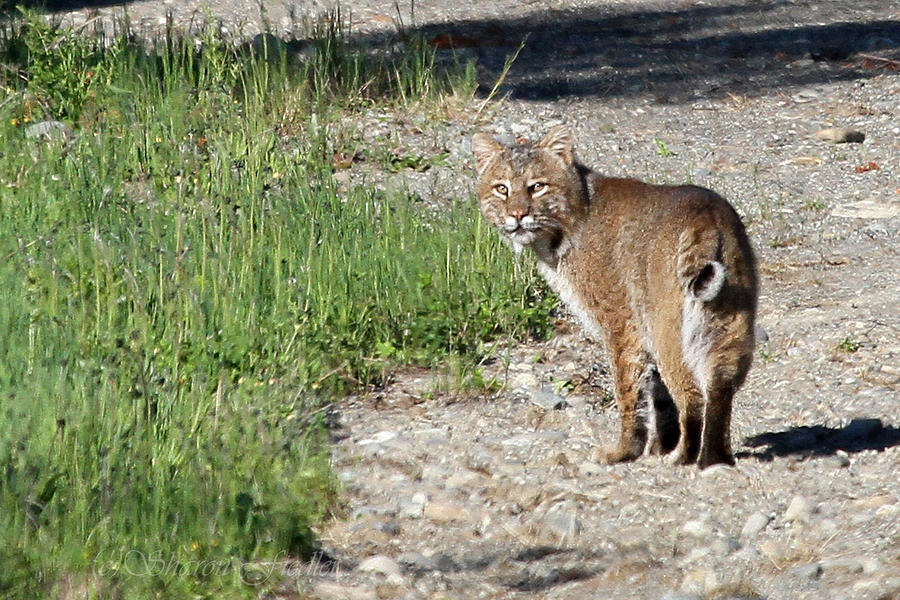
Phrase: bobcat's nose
x=518 y=213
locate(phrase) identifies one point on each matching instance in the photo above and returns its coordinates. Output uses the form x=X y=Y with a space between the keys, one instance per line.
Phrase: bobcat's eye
x=500 y=189
x=537 y=187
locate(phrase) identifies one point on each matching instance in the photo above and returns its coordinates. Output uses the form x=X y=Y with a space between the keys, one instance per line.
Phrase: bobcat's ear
x=485 y=148
x=558 y=141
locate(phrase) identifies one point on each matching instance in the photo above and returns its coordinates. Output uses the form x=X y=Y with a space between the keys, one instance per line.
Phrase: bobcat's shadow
x=818 y=440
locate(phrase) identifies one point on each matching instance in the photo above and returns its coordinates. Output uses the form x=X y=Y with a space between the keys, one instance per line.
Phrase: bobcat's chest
x=559 y=281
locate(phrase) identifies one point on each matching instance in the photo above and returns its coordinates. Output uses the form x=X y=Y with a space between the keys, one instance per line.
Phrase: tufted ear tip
x=559 y=142
x=485 y=148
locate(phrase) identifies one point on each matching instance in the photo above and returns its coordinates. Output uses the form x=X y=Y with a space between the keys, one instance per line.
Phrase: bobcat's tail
x=702 y=276
x=699 y=269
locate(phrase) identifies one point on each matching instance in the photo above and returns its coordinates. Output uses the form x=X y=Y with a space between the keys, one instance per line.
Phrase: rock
x=524 y=380
x=698 y=528
x=800 y=509
x=839 y=460
x=391 y=528
x=548 y=400
x=379 y=438
x=411 y=510
x=724 y=545
x=562 y=520
x=840 y=135
x=678 y=596
x=380 y=564
x=867 y=209
x=754 y=524
x=416 y=561
x=464 y=478
x=480 y=460
x=442 y=512
x=591 y=469
x=325 y=590
x=443 y=562
x=806 y=571
x=50 y=130
x=842 y=563
x=871 y=565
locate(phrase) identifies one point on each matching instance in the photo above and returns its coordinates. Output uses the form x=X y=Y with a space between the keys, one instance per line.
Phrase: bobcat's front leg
x=628 y=365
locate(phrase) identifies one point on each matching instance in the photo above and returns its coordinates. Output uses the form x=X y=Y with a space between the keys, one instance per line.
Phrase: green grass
x=183 y=289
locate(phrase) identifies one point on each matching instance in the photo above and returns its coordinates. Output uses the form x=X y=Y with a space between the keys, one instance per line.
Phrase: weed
x=662 y=149
x=183 y=288
x=849 y=346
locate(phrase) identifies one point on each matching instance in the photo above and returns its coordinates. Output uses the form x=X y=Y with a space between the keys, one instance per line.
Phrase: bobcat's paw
x=609 y=455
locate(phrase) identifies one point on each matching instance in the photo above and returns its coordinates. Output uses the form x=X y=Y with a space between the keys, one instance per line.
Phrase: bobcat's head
x=532 y=192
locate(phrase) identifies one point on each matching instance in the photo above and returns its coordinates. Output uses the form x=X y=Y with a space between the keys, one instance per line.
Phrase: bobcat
x=664 y=275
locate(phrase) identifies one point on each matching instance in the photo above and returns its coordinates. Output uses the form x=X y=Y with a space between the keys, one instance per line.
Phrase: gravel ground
x=498 y=496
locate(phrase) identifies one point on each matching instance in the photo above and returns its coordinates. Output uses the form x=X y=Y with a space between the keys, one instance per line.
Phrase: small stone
x=442 y=512
x=698 y=528
x=724 y=546
x=443 y=562
x=678 y=596
x=389 y=527
x=379 y=438
x=463 y=479
x=590 y=468
x=326 y=590
x=762 y=336
x=871 y=565
x=839 y=460
x=380 y=564
x=867 y=209
x=848 y=564
x=840 y=135
x=806 y=571
x=754 y=524
x=548 y=400
x=800 y=509
x=524 y=380
x=416 y=561
x=562 y=520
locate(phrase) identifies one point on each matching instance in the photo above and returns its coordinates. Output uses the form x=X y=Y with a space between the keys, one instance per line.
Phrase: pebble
x=806 y=571
x=800 y=509
x=380 y=564
x=326 y=590
x=548 y=400
x=463 y=479
x=840 y=135
x=839 y=460
x=562 y=521
x=524 y=380
x=754 y=524
x=443 y=512
x=842 y=563
x=698 y=528
x=590 y=468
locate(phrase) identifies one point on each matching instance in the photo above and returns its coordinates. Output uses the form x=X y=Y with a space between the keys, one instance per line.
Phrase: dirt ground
x=497 y=496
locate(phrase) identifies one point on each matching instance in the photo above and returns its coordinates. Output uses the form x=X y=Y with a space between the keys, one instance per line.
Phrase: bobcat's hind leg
x=629 y=363
x=688 y=399
x=661 y=415
x=715 y=440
